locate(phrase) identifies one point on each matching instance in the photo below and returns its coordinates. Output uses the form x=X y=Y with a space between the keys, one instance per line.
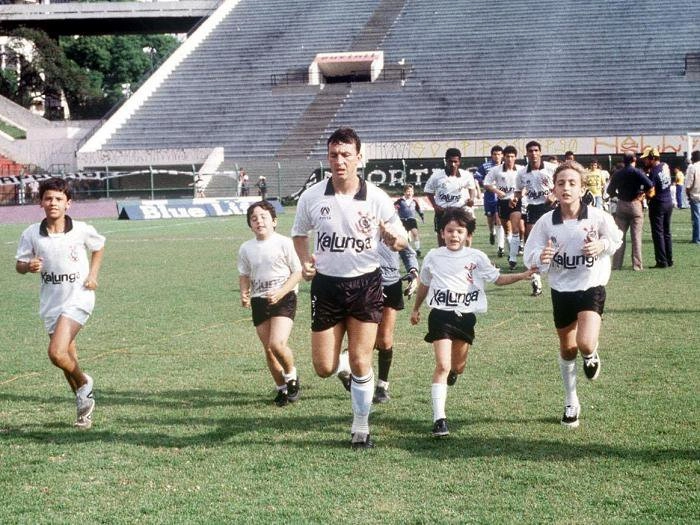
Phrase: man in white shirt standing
x=349 y=217
x=692 y=188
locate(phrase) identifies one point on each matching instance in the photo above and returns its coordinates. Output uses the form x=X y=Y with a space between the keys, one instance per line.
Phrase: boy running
x=57 y=249
x=454 y=277
x=407 y=208
x=269 y=274
x=573 y=244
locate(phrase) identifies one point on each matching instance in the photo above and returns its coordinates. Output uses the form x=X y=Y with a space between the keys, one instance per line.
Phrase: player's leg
x=416 y=240
x=589 y=323
x=442 y=348
x=273 y=364
x=325 y=349
x=280 y=329
x=514 y=239
x=567 y=365
x=385 y=353
x=536 y=279
x=361 y=338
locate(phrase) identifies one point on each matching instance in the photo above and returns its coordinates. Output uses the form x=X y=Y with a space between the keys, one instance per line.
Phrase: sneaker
x=536 y=289
x=521 y=249
x=591 y=366
x=293 y=390
x=282 y=399
x=452 y=378
x=346 y=379
x=492 y=239
x=85 y=404
x=361 y=441
x=418 y=254
x=440 y=428
x=381 y=395
x=512 y=265
x=500 y=252
x=570 y=417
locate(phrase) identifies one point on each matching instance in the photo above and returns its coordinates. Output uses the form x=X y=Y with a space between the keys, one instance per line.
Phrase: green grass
x=12 y=131
x=185 y=430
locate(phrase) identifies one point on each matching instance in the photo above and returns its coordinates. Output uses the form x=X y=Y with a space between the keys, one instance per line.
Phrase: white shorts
x=78 y=315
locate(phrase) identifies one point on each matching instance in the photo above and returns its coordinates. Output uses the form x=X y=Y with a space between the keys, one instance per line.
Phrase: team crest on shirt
x=591 y=233
x=365 y=224
x=325 y=213
x=73 y=254
x=470 y=272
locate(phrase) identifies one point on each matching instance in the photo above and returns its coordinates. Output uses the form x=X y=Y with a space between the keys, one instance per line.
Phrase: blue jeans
x=695 y=218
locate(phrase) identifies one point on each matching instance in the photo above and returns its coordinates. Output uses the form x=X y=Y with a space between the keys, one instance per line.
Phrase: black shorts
x=393 y=296
x=504 y=209
x=263 y=310
x=333 y=299
x=535 y=211
x=409 y=224
x=443 y=324
x=567 y=305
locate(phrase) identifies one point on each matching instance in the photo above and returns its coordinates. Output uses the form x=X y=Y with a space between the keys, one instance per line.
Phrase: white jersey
x=65 y=265
x=456 y=279
x=450 y=192
x=569 y=269
x=504 y=180
x=536 y=185
x=268 y=263
x=346 y=227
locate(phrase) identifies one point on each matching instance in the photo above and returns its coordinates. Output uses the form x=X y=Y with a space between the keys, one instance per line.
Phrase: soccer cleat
x=293 y=390
x=452 y=378
x=381 y=395
x=591 y=366
x=346 y=379
x=361 y=441
x=536 y=289
x=512 y=265
x=418 y=254
x=85 y=404
x=492 y=239
x=440 y=428
x=500 y=252
x=521 y=249
x=570 y=417
x=282 y=399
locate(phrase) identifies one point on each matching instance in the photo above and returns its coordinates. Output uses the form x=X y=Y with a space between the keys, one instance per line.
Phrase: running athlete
x=453 y=277
x=535 y=184
x=450 y=188
x=269 y=274
x=407 y=208
x=350 y=217
x=393 y=302
x=574 y=244
x=502 y=181
x=491 y=200
x=57 y=249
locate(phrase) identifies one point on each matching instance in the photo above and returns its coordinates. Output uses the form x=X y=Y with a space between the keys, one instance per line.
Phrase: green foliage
x=185 y=430
x=12 y=131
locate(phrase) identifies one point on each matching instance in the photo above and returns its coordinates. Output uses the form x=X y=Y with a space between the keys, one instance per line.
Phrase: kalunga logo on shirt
x=450 y=298
x=336 y=243
x=570 y=262
x=59 y=278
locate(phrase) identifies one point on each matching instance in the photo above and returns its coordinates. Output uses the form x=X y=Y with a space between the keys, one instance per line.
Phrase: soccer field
x=185 y=430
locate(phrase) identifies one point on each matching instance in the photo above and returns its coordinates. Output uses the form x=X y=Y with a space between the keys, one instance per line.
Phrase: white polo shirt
x=536 y=185
x=456 y=279
x=450 y=192
x=346 y=227
x=505 y=180
x=65 y=265
x=268 y=263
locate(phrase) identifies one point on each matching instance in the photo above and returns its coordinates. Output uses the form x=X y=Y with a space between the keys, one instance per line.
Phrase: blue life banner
x=187 y=208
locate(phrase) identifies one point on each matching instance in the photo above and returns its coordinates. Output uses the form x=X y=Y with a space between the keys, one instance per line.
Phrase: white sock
x=501 y=234
x=281 y=388
x=568 y=376
x=438 y=392
x=361 y=393
x=291 y=375
x=417 y=245
x=514 y=245
x=383 y=384
x=343 y=363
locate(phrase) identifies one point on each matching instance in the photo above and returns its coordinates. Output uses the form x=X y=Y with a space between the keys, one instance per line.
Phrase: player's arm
x=510 y=278
x=421 y=294
x=33 y=265
x=275 y=295
x=95 y=265
x=244 y=285
x=308 y=264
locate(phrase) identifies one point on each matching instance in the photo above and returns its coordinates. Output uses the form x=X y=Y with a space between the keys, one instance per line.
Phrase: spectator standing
x=628 y=185
x=262 y=187
x=660 y=207
x=692 y=189
x=678 y=182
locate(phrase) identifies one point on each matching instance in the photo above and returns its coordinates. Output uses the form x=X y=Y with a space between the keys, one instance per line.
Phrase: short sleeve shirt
x=505 y=180
x=268 y=263
x=536 y=185
x=450 y=192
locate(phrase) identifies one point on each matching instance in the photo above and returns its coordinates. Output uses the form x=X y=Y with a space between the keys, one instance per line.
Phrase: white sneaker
x=85 y=404
x=570 y=417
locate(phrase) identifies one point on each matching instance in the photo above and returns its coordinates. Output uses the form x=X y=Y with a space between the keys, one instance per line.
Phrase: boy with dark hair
x=57 y=249
x=454 y=278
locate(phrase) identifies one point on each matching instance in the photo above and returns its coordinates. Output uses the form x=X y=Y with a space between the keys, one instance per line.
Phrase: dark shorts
x=490 y=207
x=333 y=299
x=444 y=324
x=263 y=310
x=535 y=211
x=504 y=209
x=567 y=305
x=409 y=224
x=393 y=296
